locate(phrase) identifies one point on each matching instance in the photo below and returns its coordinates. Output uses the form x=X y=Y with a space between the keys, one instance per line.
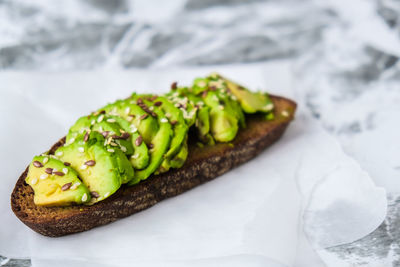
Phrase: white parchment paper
x=251 y=216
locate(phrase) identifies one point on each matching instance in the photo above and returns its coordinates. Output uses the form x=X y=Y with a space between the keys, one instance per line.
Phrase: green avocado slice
x=54 y=183
x=140 y=156
x=102 y=167
x=160 y=143
x=251 y=102
x=128 y=109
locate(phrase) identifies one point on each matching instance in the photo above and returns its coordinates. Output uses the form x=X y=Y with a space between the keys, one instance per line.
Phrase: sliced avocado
x=102 y=167
x=54 y=183
x=223 y=123
x=181 y=157
x=128 y=109
x=160 y=143
x=251 y=102
x=180 y=100
x=140 y=156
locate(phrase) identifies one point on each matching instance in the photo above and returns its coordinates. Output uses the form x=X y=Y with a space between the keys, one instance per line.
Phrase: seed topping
x=174 y=85
x=66 y=186
x=67 y=164
x=144 y=116
x=59 y=173
x=94 y=194
x=37 y=164
x=139 y=140
x=44 y=176
x=84 y=197
x=90 y=163
x=48 y=170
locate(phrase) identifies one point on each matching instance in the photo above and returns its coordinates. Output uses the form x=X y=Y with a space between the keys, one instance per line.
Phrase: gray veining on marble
x=348 y=77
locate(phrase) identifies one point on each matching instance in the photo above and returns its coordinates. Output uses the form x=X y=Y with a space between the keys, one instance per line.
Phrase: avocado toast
x=133 y=153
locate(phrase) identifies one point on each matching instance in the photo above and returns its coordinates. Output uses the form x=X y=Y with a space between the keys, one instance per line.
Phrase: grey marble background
x=345 y=56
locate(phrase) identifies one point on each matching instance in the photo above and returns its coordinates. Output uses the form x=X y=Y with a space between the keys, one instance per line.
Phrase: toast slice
x=202 y=165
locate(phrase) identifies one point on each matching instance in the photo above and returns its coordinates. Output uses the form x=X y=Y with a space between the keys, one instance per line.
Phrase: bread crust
x=202 y=165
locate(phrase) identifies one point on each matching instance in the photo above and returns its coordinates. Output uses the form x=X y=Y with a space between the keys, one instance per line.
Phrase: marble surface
x=345 y=63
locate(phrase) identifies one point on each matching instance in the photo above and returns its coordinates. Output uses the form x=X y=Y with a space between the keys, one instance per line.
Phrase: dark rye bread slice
x=202 y=165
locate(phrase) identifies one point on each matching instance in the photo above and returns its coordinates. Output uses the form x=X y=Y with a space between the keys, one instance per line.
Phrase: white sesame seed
x=113 y=144
x=83 y=167
x=55 y=170
x=133 y=128
x=45 y=160
x=100 y=118
x=111 y=120
x=134 y=156
x=164 y=120
x=285 y=113
x=168 y=115
x=110 y=150
x=201 y=84
x=44 y=176
x=106 y=194
x=233 y=97
x=112 y=133
x=75 y=185
x=129 y=118
x=177 y=105
x=269 y=107
x=101 y=129
x=221 y=107
x=59 y=153
x=123 y=149
x=65 y=170
x=34 y=181
x=71 y=140
x=84 y=197
x=151 y=108
x=200 y=103
x=127 y=110
x=93 y=122
x=81 y=149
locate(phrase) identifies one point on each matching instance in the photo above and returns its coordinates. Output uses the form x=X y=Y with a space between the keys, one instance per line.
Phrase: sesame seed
x=37 y=164
x=111 y=120
x=113 y=144
x=164 y=120
x=81 y=149
x=139 y=140
x=86 y=137
x=75 y=185
x=90 y=163
x=168 y=115
x=106 y=194
x=285 y=113
x=65 y=170
x=134 y=156
x=44 y=176
x=34 y=181
x=268 y=107
x=125 y=135
x=201 y=84
x=83 y=167
x=71 y=140
x=100 y=118
x=93 y=122
x=129 y=118
x=177 y=105
x=105 y=134
x=221 y=107
x=59 y=153
x=84 y=197
x=45 y=160
x=94 y=194
x=151 y=108
x=66 y=186
x=127 y=110
x=123 y=149
x=133 y=128
x=110 y=150
x=48 y=170
x=59 y=173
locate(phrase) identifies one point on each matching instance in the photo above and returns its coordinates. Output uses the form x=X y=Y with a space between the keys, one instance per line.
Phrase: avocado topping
x=129 y=140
